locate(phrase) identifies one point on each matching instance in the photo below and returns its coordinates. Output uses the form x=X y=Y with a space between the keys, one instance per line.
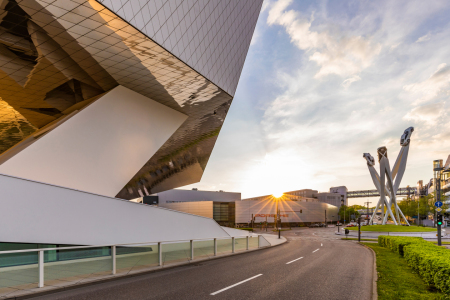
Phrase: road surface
x=313 y=264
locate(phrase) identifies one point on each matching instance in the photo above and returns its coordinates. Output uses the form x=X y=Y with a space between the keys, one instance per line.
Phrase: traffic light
x=439 y=220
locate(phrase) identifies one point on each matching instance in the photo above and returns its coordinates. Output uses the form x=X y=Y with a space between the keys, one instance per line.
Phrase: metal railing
x=114 y=257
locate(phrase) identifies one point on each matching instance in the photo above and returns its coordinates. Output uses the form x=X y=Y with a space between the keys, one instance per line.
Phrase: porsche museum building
x=106 y=101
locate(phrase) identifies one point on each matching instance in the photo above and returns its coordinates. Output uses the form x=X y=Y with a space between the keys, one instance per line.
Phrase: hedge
x=430 y=261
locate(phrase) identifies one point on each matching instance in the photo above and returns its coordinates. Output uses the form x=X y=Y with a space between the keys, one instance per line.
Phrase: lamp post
x=437 y=168
x=278 y=219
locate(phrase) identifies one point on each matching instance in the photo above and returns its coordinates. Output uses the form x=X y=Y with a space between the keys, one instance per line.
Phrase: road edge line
x=374 y=273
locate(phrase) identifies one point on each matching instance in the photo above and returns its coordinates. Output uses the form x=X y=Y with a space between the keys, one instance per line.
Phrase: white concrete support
x=232 y=245
x=192 y=249
x=113 y=259
x=247 y=242
x=100 y=148
x=41 y=268
x=160 y=262
x=215 y=247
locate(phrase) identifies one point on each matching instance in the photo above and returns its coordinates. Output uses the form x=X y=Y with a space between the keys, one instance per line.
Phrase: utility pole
x=325 y=218
x=367 y=209
x=359 y=229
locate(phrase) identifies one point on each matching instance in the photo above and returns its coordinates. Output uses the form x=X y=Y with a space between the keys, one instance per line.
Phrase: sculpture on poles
x=388 y=181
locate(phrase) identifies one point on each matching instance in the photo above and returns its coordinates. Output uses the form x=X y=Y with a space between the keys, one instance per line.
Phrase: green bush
x=397 y=243
x=431 y=262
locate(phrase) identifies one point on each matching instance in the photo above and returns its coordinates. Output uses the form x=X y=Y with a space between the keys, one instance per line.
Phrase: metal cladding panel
x=34 y=212
x=289 y=210
x=212 y=37
x=199 y=208
x=57 y=57
x=193 y=195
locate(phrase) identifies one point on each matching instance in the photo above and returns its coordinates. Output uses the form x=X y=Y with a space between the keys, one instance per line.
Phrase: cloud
x=427 y=114
x=339 y=53
x=347 y=82
x=424 y=38
x=437 y=84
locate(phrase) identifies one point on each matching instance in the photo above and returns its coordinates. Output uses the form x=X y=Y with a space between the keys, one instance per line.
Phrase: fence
x=71 y=265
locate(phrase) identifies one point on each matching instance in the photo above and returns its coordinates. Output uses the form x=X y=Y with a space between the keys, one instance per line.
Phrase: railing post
x=192 y=250
x=232 y=245
x=159 y=254
x=113 y=258
x=41 y=268
x=259 y=238
x=247 y=242
x=215 y=247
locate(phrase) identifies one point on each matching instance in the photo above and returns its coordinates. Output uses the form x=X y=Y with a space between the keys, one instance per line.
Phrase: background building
x=301 y=211
x=219 y=206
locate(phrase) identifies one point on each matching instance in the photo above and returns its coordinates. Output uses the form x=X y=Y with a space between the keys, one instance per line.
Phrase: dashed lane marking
x=231 y=286
x=321 y=244
x=294 y=260
x=315 y=250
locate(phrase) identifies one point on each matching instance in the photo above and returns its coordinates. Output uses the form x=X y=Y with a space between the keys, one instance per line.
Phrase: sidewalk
x=274 y=240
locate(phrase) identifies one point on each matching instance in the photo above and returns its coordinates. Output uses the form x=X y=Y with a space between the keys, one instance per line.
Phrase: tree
x=424 y=207
x=348 y=211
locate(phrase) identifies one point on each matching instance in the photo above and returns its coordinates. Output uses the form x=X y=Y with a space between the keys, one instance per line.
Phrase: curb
x=374 y=274
x=124 y=276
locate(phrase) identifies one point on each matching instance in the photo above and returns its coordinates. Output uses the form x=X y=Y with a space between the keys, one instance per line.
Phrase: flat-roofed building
x=293 y=209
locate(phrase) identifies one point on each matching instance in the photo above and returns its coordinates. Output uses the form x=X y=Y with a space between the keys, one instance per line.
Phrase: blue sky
x=326 y=81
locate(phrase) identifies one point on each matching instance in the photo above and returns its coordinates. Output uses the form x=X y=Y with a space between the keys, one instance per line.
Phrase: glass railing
x=28 y=269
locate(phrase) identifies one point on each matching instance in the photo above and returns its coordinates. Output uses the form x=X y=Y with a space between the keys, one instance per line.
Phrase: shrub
x=397 y=243
x=430 y=261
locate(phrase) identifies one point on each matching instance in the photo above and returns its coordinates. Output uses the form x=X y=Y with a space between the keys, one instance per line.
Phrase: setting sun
x=277 y=194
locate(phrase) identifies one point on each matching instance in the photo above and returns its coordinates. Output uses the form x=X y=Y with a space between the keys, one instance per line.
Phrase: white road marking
x=321 y=244
x=294 y=260
x=231 y=286
x=315 y=250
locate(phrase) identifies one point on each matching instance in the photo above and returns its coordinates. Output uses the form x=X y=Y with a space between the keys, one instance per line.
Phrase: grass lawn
x=396 y=280
x=393 y=228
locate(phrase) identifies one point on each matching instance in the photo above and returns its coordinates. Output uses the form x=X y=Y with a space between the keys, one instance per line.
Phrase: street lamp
x=437 y=168
x=277 y=200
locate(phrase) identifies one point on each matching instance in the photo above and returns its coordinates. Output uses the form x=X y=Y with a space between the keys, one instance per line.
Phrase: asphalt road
x=329 y=269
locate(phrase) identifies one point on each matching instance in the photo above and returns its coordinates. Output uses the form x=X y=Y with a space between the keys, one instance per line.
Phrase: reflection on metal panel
x=199 y=208
x=56 y=58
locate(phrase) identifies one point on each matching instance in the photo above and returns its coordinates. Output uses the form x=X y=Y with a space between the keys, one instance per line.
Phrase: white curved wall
x=33 y=212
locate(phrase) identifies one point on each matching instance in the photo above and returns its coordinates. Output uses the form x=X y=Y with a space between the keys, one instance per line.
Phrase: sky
x=325 y=82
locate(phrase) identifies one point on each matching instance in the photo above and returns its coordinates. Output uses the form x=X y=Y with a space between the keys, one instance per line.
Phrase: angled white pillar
x=100 y=148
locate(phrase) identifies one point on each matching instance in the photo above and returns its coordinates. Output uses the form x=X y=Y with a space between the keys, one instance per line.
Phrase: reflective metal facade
x=210 y=36
x=58 y=56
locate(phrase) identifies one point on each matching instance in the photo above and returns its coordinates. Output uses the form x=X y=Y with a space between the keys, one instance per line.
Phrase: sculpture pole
x=385 y=183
